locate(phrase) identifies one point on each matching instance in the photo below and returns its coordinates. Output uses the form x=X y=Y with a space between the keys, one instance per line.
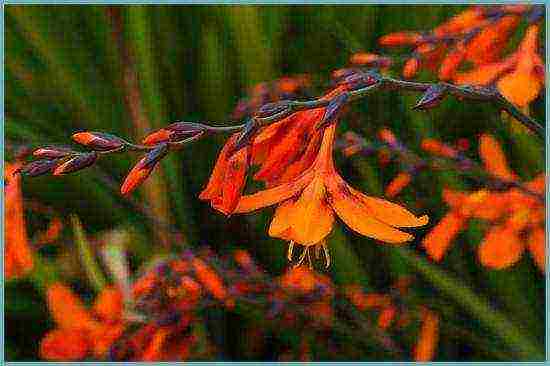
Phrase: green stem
x=94 y=273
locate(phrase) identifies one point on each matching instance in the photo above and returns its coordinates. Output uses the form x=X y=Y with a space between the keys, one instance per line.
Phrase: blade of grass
x=91 y=267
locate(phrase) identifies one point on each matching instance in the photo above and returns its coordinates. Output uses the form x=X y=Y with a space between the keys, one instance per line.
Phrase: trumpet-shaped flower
x=308 y=205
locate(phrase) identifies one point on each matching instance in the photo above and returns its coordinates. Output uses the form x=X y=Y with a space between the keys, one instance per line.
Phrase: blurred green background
x=129 y=70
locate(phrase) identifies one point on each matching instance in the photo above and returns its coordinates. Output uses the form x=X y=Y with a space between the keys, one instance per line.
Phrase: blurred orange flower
x=516 y=215
x=81 y=332
x=391 y=311
x=519 y=77
x=18 y=255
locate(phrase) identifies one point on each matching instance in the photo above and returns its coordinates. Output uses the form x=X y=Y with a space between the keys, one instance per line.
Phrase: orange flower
x=526 y=81
x=18 y=255
x=519 y=77
x=80 y=331
x=307 y=205
x=517 y=217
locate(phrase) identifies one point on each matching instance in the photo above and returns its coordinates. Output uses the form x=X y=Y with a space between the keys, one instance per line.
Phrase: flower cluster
x=479 y=36
x=516 y=215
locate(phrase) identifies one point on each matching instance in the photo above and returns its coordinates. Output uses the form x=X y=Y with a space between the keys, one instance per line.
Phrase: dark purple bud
x=153 y=157
x=272 y=109
x=78 y=162
x=98 y=140
x=53 y=152
x=39 y=167
x=361 y=80
x=432 y=97
x=188 y=128
x=333 y=109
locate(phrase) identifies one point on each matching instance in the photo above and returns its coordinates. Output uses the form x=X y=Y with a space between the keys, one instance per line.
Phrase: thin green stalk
x=93 y=271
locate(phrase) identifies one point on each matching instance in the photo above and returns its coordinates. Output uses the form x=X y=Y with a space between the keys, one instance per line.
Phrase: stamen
x=310 y=263
x=327 y=255
x=290 y=249
x=302 y=257
x=317 y=251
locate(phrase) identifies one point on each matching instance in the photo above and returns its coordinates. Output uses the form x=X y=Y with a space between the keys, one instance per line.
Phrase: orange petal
x=485 y=74
x=104 y=336
x=388 y=212
x=311 y=219
x=493 y=158
x=500 y=248
x=210 y=279
x=64 y=345
x=359 y=218
x=397 y=184
x=66 y=308
x=535 y=244
x=489 y=43
x=438 y=241
x=538 y=184
x=215 y=183
x=274 y=195
x=461 y=22
x=300 y=165
x=520 y=87
x=281 y=224
x=426 y=346
x=451 y=62
x=366 y=301
x=453 y=198
x=233 y=182
x=386 y=317
x=109 y=305
x=410 y=69
x=154 y=350
x=436 y=147
x=291 y=145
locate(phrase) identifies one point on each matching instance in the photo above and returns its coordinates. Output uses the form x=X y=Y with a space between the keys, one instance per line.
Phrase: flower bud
x=39 y=167
x=98 y=140
x=400 y=39
x=53 y=152
x=143 y=169
x=78 y=162
x=175 y=132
